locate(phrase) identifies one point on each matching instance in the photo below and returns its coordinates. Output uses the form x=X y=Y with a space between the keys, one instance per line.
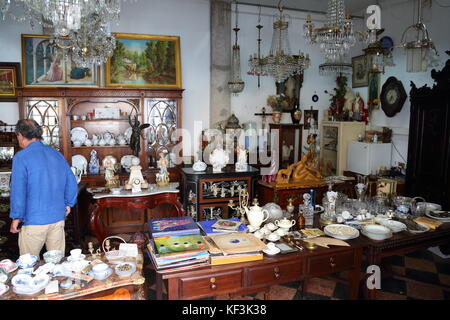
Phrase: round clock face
x=392 y=96
x=136 y=181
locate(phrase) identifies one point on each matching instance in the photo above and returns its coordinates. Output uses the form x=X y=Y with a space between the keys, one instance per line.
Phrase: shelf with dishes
x=97 y=146
x=97 y=120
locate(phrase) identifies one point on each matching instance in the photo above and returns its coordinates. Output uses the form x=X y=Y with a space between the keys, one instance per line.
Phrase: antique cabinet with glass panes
x=77 y=121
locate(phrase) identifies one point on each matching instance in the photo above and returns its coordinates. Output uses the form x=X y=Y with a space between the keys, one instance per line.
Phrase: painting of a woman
x=55 y=73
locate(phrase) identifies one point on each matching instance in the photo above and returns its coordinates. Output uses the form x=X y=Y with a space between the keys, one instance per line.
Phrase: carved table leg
x=95 y=225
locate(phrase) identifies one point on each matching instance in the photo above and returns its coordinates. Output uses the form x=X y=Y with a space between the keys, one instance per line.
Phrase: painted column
x=220 y=96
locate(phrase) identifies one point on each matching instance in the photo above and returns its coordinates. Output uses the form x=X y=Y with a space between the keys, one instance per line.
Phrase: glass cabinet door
x=329 y=150
x=161 y=114
x=46 y=114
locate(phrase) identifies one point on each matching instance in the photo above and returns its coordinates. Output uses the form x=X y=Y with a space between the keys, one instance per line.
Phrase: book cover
x=168 y=259
x=207 y=227
x=226 y=224
x=177 y=266
x=235 y=258
x=174 y=225
x=179 y=243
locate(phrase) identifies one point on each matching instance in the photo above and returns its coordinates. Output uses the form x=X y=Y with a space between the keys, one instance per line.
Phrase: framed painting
x=360 y=76
x=291 y=89
x=310 y=119
x=9 y=81
x=144 y=61
x=373 y=93
x=44 y=65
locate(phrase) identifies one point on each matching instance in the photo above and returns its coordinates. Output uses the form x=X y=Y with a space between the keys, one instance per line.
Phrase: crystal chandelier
x=236 y=85
x=335 y=38
x=421 y=53
x=280 y=64
x=79 y=27
x=254 y=62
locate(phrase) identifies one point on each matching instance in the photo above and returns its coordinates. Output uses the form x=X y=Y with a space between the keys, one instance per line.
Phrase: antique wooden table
x=402 y=243
x=258 y=276
x=112 y=288
x=128 y=201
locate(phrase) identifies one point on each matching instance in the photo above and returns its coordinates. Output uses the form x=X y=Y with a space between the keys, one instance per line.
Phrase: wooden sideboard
x=259 y=276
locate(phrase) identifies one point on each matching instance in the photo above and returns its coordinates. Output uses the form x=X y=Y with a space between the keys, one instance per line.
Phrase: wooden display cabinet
x=334 y=138
x=53 y=108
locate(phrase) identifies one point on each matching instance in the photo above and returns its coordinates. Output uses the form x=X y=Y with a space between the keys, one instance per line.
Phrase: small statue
x=241 y=164
x=162 y=178
x=112 y=180
x=135 y=139
x=136 y=181
x=94 y=163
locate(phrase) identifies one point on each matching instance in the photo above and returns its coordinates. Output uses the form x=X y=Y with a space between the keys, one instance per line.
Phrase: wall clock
x=392 y=97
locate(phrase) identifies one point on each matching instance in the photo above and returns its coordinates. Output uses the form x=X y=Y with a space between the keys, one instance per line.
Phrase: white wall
x=188 y=19
x=396 y=16
x=253 y=99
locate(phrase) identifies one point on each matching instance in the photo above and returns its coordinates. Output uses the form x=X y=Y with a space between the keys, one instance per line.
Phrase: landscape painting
x=144 y=61
x=44 y=65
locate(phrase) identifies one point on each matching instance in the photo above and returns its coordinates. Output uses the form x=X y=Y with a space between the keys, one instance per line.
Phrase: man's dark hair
x=29 y=128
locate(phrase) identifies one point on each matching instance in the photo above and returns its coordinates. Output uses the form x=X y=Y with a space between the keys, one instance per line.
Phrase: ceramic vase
x=296 y=116
x=276 y=116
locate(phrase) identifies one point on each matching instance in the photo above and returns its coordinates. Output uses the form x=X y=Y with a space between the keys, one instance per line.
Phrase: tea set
x=30 y=280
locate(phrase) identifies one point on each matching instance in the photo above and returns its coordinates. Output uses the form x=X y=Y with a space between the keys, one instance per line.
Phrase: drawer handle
x=213 y=285
x=276 y=271
x=332 y=264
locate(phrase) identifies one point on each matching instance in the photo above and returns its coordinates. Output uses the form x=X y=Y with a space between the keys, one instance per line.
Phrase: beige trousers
x=33 y=238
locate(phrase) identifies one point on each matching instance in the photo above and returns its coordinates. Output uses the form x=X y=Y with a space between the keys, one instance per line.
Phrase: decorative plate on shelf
x=78 y=133
x=79 y=162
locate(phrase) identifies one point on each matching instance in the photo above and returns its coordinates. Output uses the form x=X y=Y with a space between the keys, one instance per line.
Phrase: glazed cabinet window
x=45 y=113
x=161 y=114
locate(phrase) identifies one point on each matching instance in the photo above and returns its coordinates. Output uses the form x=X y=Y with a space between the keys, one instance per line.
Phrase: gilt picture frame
x=360 y=76
x=144 y=61
x=44 y=66
x=10 y=79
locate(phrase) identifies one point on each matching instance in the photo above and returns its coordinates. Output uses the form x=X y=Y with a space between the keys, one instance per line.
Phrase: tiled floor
x=422 y=266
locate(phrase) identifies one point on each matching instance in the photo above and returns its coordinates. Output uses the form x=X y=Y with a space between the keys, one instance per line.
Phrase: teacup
x=100 y=270
x=75 y=117
x=26 y=258
x=266 y=231
x=271 y=246
x=83 y=117
x=273 y=237
x=259 y=234
x=251 y=228
x=271 y=226
x=281 y=232
x=75 y=254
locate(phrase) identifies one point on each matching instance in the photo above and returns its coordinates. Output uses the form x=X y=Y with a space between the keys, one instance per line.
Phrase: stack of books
x=221 y=226
x=176 y=244
x=234 y=247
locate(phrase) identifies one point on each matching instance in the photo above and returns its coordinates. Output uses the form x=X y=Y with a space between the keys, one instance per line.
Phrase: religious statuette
x=162 y=177
x=241 y=164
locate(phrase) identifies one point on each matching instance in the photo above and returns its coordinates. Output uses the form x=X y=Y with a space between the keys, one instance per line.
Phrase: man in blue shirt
x=43 y=189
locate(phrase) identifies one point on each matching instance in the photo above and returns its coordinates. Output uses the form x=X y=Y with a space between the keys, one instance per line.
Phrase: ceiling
x=315 y=5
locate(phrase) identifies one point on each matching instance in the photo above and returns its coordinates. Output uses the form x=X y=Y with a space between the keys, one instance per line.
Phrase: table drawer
x=211 y=284
x=330 y=263
x=275 y=273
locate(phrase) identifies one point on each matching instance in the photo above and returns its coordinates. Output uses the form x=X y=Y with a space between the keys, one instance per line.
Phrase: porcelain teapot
x=256 y=215
x=284 y=223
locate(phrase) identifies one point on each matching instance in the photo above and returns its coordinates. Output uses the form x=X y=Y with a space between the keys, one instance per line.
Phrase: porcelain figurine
x=219 y=159
x=162 y=178
x=94 y=163
x=112 y=180
x=241 y=164
x=136 y=180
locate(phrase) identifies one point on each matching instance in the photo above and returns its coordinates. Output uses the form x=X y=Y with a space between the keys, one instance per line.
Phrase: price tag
x=128 y=249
